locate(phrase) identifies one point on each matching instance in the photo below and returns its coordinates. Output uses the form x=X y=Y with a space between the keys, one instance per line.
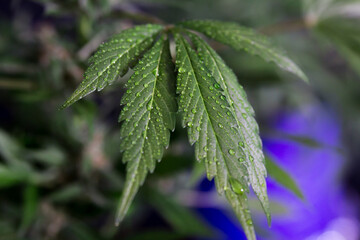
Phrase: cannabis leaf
x=242 y=38
x=113 y=59
x=147 y=116
x=212 y=105
x=244 y=114
x=282 y=177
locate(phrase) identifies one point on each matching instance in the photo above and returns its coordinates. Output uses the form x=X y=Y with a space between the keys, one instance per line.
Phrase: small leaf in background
x=30 y=206
x=304 y=140
x=182 y=219
x=339 y=22
x=9 y=177
x=197 y=173
x=9 y=147
x=50 y=155
x=66 y=194
x=282 y=177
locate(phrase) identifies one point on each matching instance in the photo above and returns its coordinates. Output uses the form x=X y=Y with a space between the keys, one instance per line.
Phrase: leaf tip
x=64 y=105
x=304 y=77
x=119 y=217
x=268 y=217
x=117 y=221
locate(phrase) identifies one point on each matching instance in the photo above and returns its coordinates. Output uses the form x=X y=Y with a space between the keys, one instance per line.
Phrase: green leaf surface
x=239 y=204
x=211 y=126
x=113 y=59
x=282 y=177
x=242 y=38
x=246 y=124
x=206 y=113
x=148 y=114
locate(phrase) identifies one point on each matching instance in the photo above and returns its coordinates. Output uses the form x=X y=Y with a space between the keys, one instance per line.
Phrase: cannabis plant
x=199 y=90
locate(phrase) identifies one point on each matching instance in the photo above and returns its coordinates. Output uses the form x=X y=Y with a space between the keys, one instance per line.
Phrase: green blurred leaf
x=30 y=206
x=339 y=22
x=183 y=220
x=282 y=177
x=66 y=194
x=9 y=177
x=50 y=155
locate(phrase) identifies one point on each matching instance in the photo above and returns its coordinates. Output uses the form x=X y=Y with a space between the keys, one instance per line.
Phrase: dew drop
x=231 y=152
x=237 y=186
x=193 y=110
x=221 y=126
x=216 y=85
x=182 y=70
x=149 y=105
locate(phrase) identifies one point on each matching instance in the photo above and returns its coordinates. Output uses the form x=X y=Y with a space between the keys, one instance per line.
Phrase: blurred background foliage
x=61 y=172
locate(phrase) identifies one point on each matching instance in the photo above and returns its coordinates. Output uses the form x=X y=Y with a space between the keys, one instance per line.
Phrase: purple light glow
x=327 y=213
x=318 y=174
